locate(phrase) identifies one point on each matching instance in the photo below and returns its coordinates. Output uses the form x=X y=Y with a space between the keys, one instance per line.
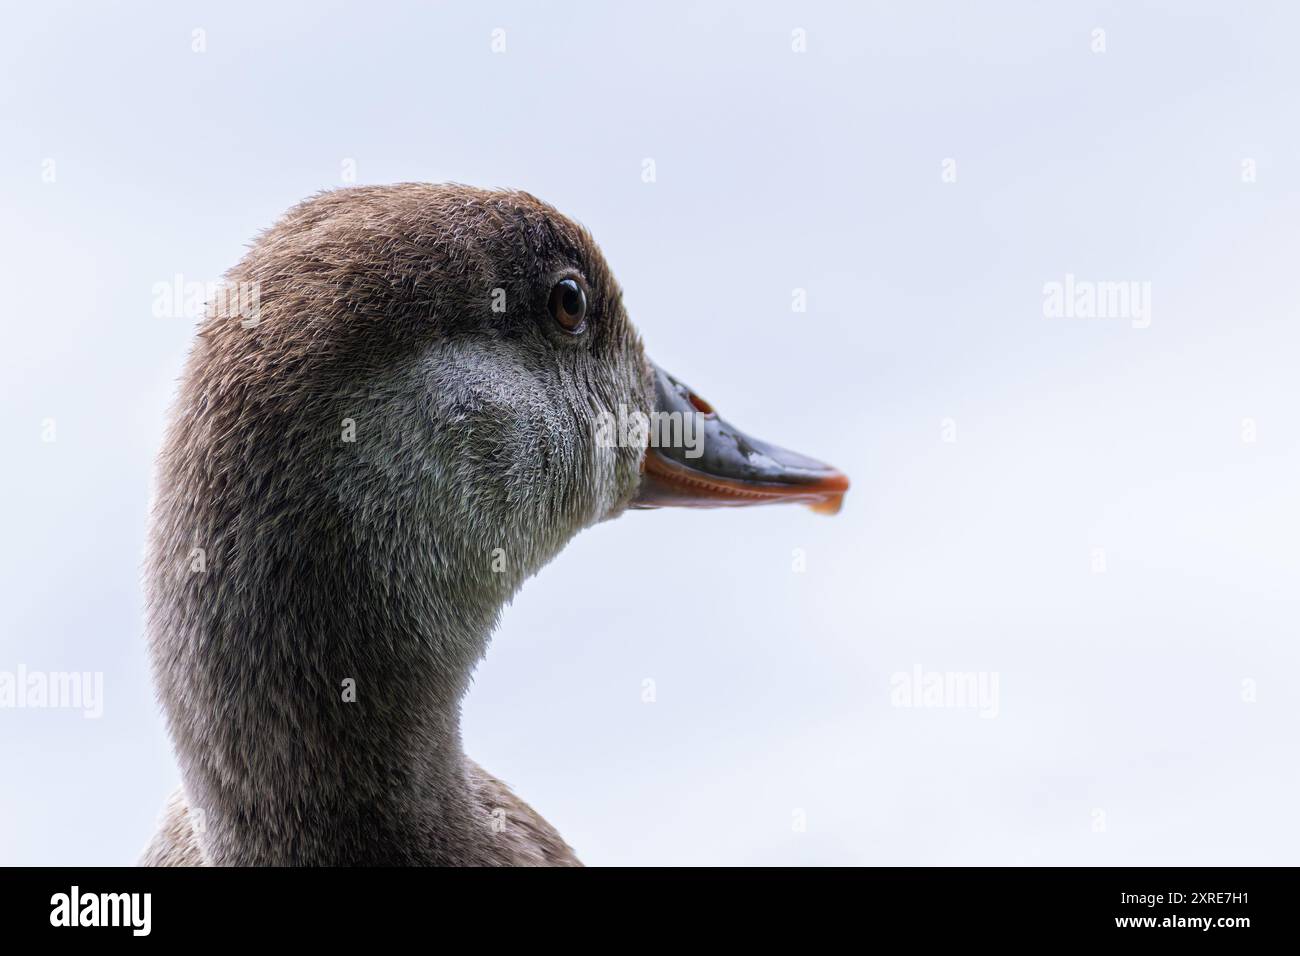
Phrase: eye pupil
x=572 y=301
x=569 y=305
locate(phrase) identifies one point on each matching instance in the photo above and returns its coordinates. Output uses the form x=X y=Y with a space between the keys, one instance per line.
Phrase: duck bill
x=698 y=460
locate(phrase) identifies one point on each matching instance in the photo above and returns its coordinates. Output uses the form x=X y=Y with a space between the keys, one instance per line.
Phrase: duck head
x=413 y=398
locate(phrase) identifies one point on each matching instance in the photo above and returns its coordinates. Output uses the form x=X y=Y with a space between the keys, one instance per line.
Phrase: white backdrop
x=1099 y=516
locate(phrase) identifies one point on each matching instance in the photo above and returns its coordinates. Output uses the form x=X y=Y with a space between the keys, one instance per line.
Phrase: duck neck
x=338 y=740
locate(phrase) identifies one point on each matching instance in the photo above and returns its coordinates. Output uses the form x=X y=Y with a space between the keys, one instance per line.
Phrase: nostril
x=701 y=406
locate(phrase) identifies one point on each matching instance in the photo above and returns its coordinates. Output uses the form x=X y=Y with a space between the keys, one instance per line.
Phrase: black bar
x=927 y=905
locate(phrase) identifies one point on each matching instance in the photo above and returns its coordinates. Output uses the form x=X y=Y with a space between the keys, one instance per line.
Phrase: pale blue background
x=1120 y=692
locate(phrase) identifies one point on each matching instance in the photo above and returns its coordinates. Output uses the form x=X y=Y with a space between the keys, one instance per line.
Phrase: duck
x=356 y=476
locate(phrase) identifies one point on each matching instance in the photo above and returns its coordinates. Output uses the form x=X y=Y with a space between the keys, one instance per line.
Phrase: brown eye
x=569 y=305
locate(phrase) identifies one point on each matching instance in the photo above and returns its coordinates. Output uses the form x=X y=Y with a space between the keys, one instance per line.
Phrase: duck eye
x=569 y=305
